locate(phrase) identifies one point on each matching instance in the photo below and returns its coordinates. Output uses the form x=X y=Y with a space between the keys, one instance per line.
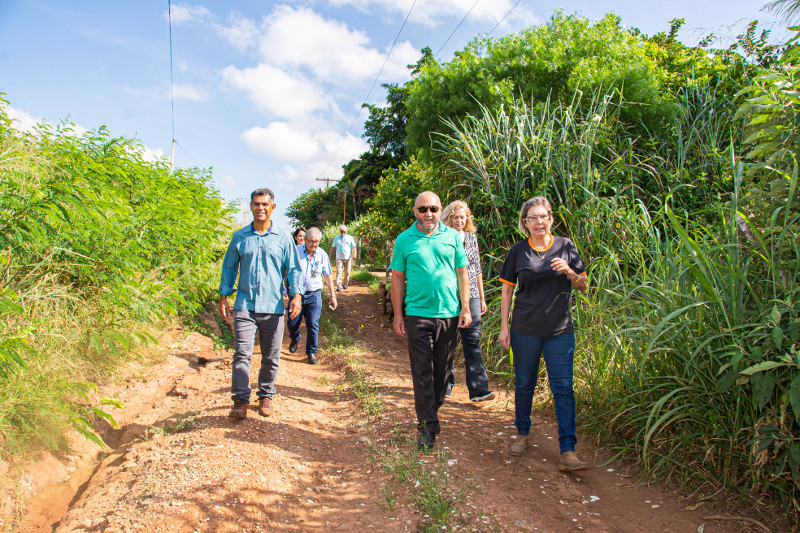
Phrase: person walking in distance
x=316 y=269
x=344 y=246
x=261 y=256
x=429 y=275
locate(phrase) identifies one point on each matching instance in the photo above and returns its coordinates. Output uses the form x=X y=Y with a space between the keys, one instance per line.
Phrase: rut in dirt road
x=327 y=462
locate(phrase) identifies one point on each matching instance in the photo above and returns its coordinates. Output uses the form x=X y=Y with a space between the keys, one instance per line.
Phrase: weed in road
x=183 y=423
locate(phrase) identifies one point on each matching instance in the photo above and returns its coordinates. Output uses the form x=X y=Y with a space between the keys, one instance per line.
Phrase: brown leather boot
x=570 y=463
x=518 y=448
x=239 y=409
x=265 y=406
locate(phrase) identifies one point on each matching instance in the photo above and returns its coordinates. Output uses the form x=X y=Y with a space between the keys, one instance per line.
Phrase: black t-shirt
x=542 y=302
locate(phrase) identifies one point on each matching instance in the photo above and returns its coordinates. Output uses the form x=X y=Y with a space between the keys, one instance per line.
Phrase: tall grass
x=96 y=245
x=689 y=339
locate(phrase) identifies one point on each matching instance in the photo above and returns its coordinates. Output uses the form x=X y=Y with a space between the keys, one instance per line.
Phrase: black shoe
x=449 y=391
x=426 y=439
x=292 y=346
x=312 y=360
x=344 y=287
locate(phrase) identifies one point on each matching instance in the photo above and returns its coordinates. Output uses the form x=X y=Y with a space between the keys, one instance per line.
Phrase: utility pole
x=327 y=181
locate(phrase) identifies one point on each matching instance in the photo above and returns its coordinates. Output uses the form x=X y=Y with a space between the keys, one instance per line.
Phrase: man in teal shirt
x=429 y=275
x=262 y=256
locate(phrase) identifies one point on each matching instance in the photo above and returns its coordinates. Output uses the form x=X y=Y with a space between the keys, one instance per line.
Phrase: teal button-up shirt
x=261 y=261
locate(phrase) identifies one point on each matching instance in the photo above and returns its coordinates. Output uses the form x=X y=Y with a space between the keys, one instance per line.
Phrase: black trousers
x=431 y=342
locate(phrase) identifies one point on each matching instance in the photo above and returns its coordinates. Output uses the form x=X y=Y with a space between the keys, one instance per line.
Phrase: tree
x=546 y=61
x=789 y=9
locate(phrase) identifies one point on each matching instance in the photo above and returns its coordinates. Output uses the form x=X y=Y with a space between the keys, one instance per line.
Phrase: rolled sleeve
x=230 y=269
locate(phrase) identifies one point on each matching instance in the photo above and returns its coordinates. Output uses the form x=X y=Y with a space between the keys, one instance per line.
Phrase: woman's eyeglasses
x=534 y=218
x=425 y=208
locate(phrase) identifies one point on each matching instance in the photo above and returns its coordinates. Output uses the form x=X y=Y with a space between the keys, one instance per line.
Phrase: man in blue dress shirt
x=261 y=255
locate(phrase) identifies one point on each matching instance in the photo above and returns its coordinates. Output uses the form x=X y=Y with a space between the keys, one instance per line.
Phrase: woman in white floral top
x=458 y=216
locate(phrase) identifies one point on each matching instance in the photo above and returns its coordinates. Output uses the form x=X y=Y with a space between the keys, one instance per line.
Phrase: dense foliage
x=674 y=169
x=95 y=243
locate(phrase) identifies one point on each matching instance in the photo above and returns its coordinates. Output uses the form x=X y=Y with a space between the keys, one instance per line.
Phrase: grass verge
x=424 y=480
x=367 y=277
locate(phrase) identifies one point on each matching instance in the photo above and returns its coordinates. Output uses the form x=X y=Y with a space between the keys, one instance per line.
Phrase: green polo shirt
x=429 y=264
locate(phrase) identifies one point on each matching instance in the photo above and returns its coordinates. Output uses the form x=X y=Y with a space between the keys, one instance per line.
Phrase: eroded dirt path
x=314 y=465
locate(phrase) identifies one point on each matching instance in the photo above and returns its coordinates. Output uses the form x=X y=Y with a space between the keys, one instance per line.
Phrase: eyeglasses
x=534 y=218
x=425 y=208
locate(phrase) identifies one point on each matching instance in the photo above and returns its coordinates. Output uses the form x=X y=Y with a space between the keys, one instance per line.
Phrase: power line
x=504 y=18
x=358 y=113
x=458 y=26
x=171 y=85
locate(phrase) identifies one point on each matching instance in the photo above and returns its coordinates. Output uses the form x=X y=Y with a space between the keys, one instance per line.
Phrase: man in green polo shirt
x=429 y=275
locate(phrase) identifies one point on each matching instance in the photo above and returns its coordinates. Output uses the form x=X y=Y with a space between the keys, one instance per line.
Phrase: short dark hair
x=263 y=191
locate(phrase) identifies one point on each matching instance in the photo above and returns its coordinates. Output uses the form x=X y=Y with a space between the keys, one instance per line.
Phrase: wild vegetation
x=674 y=169
x=97 y=245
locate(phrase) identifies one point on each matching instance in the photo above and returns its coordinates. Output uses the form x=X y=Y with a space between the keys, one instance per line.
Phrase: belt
x=312 y=292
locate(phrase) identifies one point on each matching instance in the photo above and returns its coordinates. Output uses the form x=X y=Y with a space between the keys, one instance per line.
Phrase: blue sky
x=266 y=92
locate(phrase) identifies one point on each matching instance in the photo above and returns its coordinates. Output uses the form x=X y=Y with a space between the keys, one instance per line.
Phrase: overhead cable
x=375 y=81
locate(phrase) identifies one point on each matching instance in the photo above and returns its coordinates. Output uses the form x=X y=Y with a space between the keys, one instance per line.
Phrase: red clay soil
x=313 y=466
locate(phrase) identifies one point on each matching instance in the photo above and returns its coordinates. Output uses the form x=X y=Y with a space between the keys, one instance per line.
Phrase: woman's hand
x=559 y=264
x=483 y=306
x=505 y=338
x=578 y=281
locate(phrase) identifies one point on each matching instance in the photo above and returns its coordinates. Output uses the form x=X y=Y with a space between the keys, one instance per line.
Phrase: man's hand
x=334 y=303
x=465 y=318
x=399 y=325
x=295 y=305
x=224 y=307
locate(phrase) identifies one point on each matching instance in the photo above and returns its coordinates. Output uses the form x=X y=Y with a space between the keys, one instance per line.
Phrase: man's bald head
x=427 y=198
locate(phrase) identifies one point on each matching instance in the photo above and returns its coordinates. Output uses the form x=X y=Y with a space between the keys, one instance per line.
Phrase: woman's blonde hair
x=536 y=200
x=447 y=212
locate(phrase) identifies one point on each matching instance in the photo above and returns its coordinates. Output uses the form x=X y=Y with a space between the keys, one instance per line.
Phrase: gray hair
x=312 y=232
x=342 y=227
x=263 y=191
x=536 y=200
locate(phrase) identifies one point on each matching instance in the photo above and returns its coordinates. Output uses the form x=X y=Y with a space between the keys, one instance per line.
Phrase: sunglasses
x=425 y=208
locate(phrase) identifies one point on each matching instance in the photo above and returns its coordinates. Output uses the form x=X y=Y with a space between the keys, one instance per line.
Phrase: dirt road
x=328 y=461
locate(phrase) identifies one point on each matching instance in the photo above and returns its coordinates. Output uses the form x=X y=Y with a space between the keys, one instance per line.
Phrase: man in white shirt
x=316 y=269
x=345 y=247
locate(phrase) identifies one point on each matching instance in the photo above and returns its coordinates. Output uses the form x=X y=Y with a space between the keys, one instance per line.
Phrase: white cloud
x=431 y=12
x=185 y=13
x=21 y=120
x=189 y=93
x=241 y=31
x=150 y=154
x=281 y=141
x=278 y=92
x=329 y=48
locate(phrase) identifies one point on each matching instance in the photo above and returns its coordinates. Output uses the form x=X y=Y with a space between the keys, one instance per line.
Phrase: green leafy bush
x=95 y=244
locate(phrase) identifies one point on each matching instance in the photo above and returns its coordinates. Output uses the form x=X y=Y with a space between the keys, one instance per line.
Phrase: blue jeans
x=269 y=327
x=477 y=380
x=558 y=353
x=312 y=308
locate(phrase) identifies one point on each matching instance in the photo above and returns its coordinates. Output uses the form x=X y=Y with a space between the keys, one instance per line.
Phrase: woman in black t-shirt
x=545 y=269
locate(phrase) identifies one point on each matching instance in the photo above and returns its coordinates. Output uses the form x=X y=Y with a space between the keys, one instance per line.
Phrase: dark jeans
x=269 y=327
x=312 y=308
x=477 y=381
x=558 y=357
x=431 y=342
